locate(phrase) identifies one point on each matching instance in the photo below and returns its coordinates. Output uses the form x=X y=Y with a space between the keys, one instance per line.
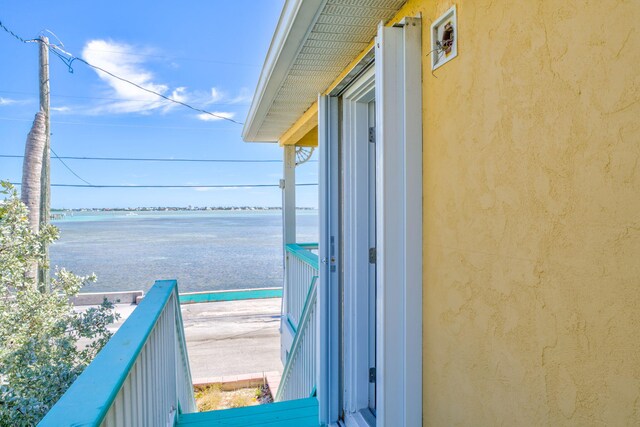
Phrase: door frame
x=398 y=62
x=398 y=95
x=356 y=242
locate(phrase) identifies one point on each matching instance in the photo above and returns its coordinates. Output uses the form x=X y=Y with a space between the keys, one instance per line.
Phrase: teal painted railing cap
x=308 y=245
x=303 y=254
x=230 y=295
x=90 y=396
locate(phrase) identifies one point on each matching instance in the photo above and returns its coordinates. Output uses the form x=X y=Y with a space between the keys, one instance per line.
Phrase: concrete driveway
x=226 y=339
x=230 y=338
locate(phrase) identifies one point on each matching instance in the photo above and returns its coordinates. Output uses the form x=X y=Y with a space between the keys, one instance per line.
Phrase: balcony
x=142 y=376
x=299 y=322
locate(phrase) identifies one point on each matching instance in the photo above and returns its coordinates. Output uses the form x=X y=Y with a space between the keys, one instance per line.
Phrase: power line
x=143 y=159
x=172 y=186
x=106 y=98
x=59 y=122
x=148 y=90
x=59 y=52
x=67 y=166
x=14 y=34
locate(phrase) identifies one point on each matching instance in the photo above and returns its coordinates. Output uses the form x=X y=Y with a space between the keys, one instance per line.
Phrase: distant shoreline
x=179 y=209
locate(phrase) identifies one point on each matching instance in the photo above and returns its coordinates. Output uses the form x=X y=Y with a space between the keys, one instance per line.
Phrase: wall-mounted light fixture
x=444 y=38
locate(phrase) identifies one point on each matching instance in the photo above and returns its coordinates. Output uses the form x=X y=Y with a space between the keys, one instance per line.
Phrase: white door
x=370 y=316
x=358 y=222
x=329 y=298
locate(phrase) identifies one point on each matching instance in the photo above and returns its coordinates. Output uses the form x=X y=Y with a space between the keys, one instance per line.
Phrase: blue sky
x=206 y=53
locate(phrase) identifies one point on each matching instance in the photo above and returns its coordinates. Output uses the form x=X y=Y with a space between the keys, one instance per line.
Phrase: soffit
x=307 y=53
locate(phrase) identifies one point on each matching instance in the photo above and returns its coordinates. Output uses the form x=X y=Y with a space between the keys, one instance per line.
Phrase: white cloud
x=179 y=94
x=244 y=96
x=219 y=115
x=216 y=95
x=131 y=63
x=120 y=59
x=61 y=109
x=220 y=97
x=9 y=101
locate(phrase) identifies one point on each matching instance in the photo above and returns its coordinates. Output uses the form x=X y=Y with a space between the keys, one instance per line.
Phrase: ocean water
x=203 y=250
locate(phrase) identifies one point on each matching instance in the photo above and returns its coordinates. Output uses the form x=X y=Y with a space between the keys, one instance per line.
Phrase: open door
x=370 y=245
x=398 y=61
x=329 y=266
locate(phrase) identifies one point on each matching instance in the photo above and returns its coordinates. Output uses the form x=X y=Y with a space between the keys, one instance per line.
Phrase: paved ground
x=227 y=338
x=233 y=337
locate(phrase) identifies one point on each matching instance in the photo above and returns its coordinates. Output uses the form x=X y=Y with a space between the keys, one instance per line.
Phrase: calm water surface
x=204 y=250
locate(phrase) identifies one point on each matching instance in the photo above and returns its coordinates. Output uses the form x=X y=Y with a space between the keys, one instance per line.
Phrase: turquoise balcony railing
x=141 y=377
x=300 y=268
x=299 y=322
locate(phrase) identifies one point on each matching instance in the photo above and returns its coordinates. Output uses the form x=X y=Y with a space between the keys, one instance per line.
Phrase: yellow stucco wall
x=532 y=215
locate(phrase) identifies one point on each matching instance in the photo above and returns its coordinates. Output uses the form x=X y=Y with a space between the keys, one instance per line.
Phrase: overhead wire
x=90 y=185
x=57 y=95
x=69 y=62
x=15 y=35
x=67 y=166
x=172 y=186
x=54 y=153
x=69 y=59
x=151 y=159
x=62 y=122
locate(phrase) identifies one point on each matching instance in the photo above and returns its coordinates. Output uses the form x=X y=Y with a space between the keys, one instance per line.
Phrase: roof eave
x=295 y=22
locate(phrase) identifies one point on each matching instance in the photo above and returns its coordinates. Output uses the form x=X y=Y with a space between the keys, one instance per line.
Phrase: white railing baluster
x=141 y=377
x=301 y=266
x=298 y=378
x=301 y=272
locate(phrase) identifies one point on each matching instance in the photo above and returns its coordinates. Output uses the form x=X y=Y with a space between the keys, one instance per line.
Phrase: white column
x=288 y=186
x=289 y=195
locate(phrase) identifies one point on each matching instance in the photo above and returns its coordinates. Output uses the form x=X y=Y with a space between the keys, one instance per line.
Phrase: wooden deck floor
x=292 y=413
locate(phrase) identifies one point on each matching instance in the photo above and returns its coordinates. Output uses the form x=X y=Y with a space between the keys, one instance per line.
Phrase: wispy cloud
x=219 y=115
x=132 y=63
x=216 y=95
x=244 y=96
x=9 y=101
x=121 y=59
x=63 y=109
x=220 y=97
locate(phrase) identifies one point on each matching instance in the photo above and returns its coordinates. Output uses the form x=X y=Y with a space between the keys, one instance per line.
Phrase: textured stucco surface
x=532 y=215
x=531 y=208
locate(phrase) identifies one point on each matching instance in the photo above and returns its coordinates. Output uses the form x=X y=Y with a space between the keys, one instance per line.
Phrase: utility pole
x=45 y=200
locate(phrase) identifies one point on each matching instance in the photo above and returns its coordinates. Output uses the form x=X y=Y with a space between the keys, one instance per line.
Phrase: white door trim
x=398 y=97
x=398 y=65
x=355 y=129
x=328 y=333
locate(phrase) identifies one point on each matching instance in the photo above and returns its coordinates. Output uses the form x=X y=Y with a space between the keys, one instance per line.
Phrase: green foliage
x=44 y=343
